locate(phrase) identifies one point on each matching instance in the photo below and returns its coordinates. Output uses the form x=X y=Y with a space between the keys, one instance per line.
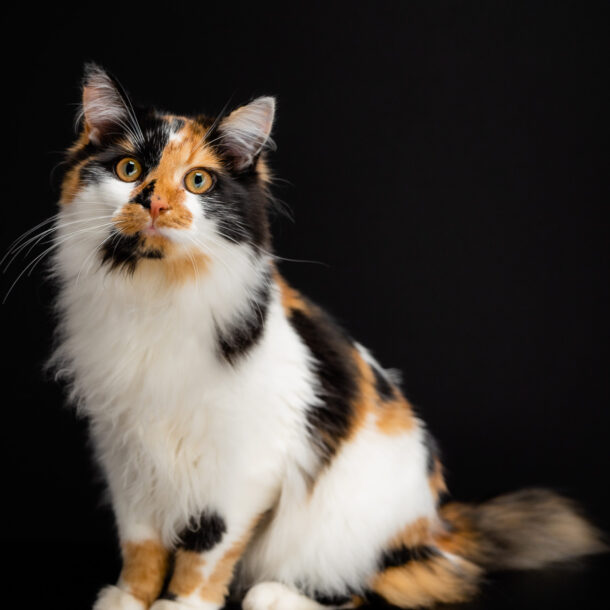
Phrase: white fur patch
x=330 y=539
x=113 y=598
x=276 y=596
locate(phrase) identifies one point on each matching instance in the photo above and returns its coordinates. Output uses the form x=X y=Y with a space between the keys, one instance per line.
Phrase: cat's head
x=149 y=189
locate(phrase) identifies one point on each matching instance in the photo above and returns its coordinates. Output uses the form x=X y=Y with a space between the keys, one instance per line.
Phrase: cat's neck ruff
x=115 y=325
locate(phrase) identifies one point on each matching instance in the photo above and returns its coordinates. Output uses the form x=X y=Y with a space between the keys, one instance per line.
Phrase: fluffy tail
x=523 y=530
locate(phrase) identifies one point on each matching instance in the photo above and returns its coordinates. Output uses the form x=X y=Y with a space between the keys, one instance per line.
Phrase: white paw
x=113 y=598
x=276 y=596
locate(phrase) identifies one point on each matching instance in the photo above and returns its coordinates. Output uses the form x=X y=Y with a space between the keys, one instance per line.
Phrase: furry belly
x=330 y=538
x=175 y=439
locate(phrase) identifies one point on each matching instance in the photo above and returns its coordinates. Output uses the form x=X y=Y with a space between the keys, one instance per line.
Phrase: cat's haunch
x=246 y=439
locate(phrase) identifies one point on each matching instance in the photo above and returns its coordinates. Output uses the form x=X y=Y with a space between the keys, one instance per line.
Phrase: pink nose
x=157 y=207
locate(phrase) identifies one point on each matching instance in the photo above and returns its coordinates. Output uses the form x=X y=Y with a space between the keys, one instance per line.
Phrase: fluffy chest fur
x=176 y=427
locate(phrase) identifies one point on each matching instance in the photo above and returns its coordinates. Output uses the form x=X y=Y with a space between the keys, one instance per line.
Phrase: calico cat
x=248 y=443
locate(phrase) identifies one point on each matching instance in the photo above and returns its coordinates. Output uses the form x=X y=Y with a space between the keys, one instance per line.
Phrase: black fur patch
x=239 y=206
x=337 y=375
x=331 y=600
x=105 y=156
x=235 y=341
x=143 y=197
x=403 y=555
x=383 y=387
x=152 y=254
x=172 y=597
x=376 y=601
x=121 y=251
x=203 y=533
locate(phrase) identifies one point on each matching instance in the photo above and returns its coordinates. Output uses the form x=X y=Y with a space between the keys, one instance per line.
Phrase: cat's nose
x=157 y=207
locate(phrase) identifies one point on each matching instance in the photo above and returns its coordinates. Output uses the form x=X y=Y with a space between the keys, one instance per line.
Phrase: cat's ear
x=104 y=109
x=244 y=133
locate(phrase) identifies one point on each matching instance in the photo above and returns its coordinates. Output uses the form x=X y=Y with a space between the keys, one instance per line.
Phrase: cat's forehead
x=167 y=141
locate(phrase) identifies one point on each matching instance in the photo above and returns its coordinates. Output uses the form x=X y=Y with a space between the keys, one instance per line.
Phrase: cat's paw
x=276 y=596
x=113 y=598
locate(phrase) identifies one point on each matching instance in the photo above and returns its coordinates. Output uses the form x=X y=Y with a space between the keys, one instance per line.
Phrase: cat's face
x=145 y=188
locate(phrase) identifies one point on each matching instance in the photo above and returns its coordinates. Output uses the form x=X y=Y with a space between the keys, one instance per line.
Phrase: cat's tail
x=522 y=530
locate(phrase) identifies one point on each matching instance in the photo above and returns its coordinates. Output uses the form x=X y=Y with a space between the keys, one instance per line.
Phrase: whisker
x=30 y=266
x=28 y=232
x=37 y=238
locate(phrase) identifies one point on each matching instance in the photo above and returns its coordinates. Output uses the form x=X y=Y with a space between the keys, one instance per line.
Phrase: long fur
x=238 y=427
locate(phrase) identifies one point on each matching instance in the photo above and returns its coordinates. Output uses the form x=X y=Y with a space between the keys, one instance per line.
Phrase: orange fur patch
x=291 y=299
x=186 y=152
x=415 y=534
x=144 y=567
x=187 y=576
x=71 y=183
x=131 y=219
x=393 y=417
x=175 y=269
x=461 y=538
x=426 y=582
x=263 y=170
x=217 y=586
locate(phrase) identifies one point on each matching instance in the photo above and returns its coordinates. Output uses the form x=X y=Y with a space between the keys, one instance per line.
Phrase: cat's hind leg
x=277 y=596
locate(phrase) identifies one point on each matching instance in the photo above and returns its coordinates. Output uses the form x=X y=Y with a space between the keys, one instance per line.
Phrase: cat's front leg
x=145 y=564
x=204 y=563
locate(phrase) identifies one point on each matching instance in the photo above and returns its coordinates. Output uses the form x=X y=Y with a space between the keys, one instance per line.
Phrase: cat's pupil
x=130 y=168
x=198 y=179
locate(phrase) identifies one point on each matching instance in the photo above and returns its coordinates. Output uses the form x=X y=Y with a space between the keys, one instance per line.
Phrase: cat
x=250 y=446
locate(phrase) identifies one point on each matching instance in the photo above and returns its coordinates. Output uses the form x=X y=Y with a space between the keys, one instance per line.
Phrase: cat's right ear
x=104 y=109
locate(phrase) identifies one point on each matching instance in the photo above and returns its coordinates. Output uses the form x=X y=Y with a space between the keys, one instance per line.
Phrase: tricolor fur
x=246 y=439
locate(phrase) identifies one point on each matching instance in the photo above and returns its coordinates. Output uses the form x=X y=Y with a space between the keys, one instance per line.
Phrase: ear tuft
x=244 y=133
x=104 y=108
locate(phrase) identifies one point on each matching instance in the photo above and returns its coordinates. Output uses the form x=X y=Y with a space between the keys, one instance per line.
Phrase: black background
x=446 y=167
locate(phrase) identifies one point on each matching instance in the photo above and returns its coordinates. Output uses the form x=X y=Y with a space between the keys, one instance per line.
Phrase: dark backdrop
x=446 y=167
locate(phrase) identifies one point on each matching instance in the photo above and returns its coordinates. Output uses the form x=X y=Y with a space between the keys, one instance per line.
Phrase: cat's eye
x=128 y=169
x=198 y=181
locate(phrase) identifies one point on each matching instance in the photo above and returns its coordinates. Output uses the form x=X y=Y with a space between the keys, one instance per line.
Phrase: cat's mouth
x=151 y=230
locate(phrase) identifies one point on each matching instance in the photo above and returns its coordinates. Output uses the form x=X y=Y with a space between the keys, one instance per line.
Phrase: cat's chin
x=153 y=244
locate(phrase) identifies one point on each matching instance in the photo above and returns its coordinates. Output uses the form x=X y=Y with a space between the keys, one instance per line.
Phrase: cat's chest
x=132 y=351
x=191 y=425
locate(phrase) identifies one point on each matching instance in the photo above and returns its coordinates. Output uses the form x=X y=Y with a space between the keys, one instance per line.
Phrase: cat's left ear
x=105 y=108
x=244 y=133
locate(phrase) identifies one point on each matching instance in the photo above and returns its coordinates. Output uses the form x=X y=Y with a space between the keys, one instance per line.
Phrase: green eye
x=128 y=169
x=198 y=181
